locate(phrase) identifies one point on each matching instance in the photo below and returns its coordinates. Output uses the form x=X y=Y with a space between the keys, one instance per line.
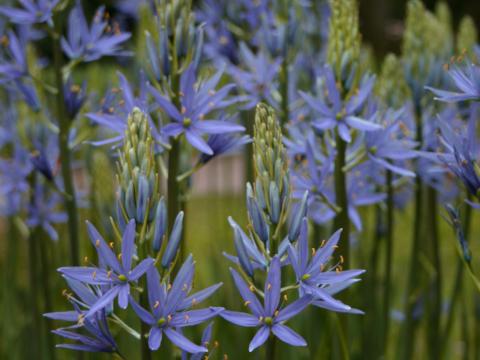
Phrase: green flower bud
x=467 y=36
x=343 y=51
x=391 y=86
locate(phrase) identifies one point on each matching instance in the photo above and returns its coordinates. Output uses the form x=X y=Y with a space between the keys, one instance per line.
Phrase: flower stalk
x=65 y=154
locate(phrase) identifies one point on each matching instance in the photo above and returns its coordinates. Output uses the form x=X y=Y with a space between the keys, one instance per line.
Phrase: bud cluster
x=139 y=197
x=391 y=87
x=467 y=36
x=344 y=41
x=177 y=39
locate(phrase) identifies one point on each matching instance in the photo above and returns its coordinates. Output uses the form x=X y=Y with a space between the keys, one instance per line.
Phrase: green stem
x=65 y=155
x=371 y=343
x=436 y=309
x=458 y=287
x=270 y=350
x=248 y=121
x=47 y=290
x=284 y=89
x=342 y=220
x=144 y=328
x=388 y=259
x=413 y=278
x=34 y=296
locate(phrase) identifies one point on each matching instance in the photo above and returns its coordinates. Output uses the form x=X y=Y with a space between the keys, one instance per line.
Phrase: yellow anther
x=169 y=317
x=183 y=110
x=186 y=317
x=323 y=243
x=156 y=305
x=94 y=275
x=269 y=286
x=185 y=287
x=285 y=297
x=119 y=256
x=97 y=243
x=246 y=303
x=251 y=288
x=109 y=274
x=216 y=343
x=276 y=313
x=314 y=251
x=85 y=259
x=169 y=286
x=341 y=259
x=111 y=244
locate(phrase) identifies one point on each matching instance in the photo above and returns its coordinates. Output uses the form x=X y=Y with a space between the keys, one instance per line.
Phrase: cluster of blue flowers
x=205 y=80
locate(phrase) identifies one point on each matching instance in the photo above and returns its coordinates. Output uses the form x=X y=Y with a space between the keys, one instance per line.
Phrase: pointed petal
x=183 y=343
x=240 y=318
x=288 y=336
x=259 y=339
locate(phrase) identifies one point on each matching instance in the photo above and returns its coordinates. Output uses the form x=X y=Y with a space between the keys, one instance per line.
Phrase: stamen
x=156 y=305
x=246 y=303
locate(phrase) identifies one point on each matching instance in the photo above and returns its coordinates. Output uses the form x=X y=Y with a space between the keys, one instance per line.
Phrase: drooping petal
x=259 y=339
x=288 y=336
x=183 y=343
x=143 y=314
x=154 y=338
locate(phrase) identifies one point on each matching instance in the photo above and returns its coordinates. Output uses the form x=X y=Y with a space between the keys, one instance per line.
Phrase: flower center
x=161 y=321
x=187 y=122
x=373 y=150
x=122 y=277
x=306 y=276
x=268 y=320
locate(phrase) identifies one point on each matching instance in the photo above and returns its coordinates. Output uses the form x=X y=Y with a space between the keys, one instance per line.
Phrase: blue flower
x=43 y=212
x=466 y=80
x=206 y=338
x=33 y=12
x=269 y=317
x=387 y=145
x=13 y=180
x=75 y=97
x=169 y=308
x=258 y=80
x=87 y=44
x=222 y=144
x=100 y=339
x=196 y=102
x=335 y=112
x=119 y=274
x=315 y=278
x=14 y=73
x=113 y=114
